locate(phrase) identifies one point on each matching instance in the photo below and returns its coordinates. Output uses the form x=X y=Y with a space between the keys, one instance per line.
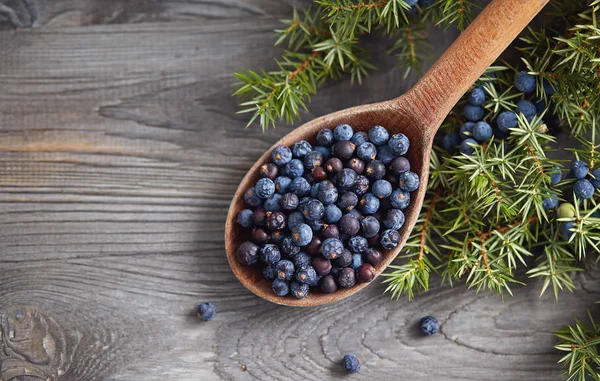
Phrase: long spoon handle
x=468 y=57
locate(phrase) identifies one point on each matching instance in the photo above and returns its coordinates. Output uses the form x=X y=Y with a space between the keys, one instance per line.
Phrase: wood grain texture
x=119 y=154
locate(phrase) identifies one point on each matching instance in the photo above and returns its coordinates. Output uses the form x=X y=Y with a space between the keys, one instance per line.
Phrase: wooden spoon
x=418 y=114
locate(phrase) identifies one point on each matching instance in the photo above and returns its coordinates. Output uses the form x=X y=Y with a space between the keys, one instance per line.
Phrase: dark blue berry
x=385 y=154
x=378 y=135
x=312 y=160
x=526 y=108
x=299 y=290
x=351 y=363
x=358 y=244
x=252 y=199
x=295 y=168
x=269 y=170
x=301 y=260
x=383 y=188
x=394 y=219
x=281 y=155
x=270 y=272
x=325 y=137
x=540 y=105
x=399 y=144
x=359 y=138
x=356 y=164
x=556 y=175
x=280 y=287
x=506 y=120
x=343 y=150
x=466 y=129
x=375 y=170
x=357 y=261
x=429 y=325
x=328 y=284
x=373 y=256
x=264 y=188
x=467 y=147
x=332 y=214
x=316 y=225
x=401 y=164
x=289 y=201
x=332 y=248
x=550 y=202
x=306 y=275
x=206 y=311
x=367 y=151
x=346 y=178
x=247 y=253
x=482 y=131
x=477 y=96
x=347 y=277
x=282 y=184
x=245 y=218
x=473 y=113
x=451 y=141
x=330 y=231
x=370 y=226
x=408 y=181
x=548 y=87
x=288 y=247
x=301 y=149
x=343 y=132
x=349 y=224
x=344 y=260
x=314 y=190
x=295 y=219
x=400 y=199
x=260 y=236
x=314 y=210
x=426 y=3
x=270 y=254
x=369 y=203
x=565 y=230
x=285 y=269
x=583 y=189
x=273 y=203
x=324 y=151
x=361 y=186
x=347 y=201
x=389 y=239
x=300 y=186
x=302 y=235
x=524 y=82
x=328 y=193
x=321 y=265
x=595 y=178
x=579 y=169
x=356 y=214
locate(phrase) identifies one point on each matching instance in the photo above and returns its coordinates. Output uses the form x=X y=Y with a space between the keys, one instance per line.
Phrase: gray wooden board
x=119 y=152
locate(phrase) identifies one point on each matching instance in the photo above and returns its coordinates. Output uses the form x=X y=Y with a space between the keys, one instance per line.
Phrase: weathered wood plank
x=119 y=152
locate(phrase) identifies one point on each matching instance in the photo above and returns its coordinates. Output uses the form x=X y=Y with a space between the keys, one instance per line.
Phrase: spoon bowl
x=417 y=114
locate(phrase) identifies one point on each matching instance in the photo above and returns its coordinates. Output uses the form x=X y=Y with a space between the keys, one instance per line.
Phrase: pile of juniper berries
x=321 y=216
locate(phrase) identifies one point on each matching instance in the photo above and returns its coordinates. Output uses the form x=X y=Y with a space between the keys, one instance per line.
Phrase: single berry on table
x=579 y=169
x=359 y=138
x=450 y=141
x=365 y=273
x=270 y=254
x=325 y=137
x=506 y=120
x=373 y=256
x=408 y=181
x=583 y=189
x=343 y=132
x=349 y=224
x=299 y=290
x=473 y=113
x=302 y=235
x=295 y=168
x=343 y=149
x=206 y=311
x=358 y=244
x=369 y=203
x=399 y=199
x=347 y=277
x=281 y=155
x=269 y=170
x=282 y=184
x=301 y=149
x=246 y=218
x=466 y=129
x=328 y=284
x=280 y=287
x=482 y=131
x=389 y=239
x=351 y=363
x=524 y=82
x=467 y=147
x=247 y=253
x=565 y=230
x=429 y=325
x=399 y=144
x=378 y=135
x=285 y=269
x=477 y=96
x=370 y=226
x=332 y=248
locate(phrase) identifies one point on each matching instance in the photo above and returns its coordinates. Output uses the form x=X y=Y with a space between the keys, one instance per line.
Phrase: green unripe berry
x=565 y=210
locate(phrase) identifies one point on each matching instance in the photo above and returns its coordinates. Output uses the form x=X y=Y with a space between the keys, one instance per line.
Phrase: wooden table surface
x=119 y=153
